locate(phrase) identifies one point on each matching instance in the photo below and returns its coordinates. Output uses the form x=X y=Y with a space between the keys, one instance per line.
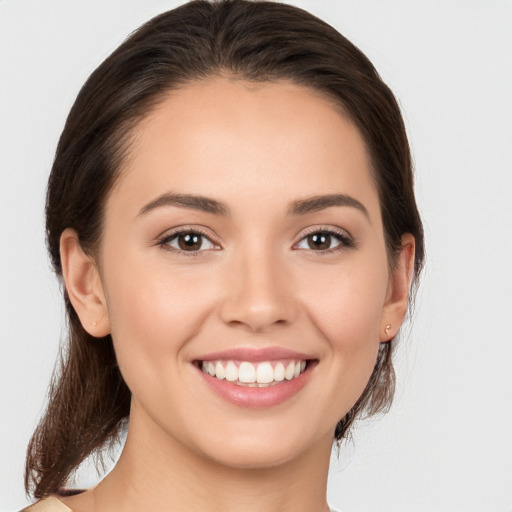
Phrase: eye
x=188 y=241
x=324 y=240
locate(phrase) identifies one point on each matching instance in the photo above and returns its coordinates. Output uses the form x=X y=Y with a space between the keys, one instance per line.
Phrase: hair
x=249 y=40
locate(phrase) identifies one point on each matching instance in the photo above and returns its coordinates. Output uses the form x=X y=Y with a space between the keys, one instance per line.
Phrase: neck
x=158 y=473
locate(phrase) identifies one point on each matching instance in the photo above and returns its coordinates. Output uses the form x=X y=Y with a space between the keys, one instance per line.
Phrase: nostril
x=257 y=317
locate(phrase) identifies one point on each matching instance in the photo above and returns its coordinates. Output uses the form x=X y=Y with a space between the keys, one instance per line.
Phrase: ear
x=397 y=297
x=83 y=285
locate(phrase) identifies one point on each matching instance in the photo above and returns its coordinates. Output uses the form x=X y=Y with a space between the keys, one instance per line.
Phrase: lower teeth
x=255 y=384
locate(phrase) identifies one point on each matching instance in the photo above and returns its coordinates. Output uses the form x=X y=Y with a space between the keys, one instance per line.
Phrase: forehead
x=233 y=139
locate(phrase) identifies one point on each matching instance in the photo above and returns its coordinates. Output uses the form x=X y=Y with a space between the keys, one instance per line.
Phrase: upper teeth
x=260 y=374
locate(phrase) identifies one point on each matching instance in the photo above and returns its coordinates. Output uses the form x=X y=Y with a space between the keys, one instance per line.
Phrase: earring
x=94 y=323
x=386 y=330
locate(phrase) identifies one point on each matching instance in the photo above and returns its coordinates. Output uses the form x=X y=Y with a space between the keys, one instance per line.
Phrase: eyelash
x=165 y=240
x=345 y=241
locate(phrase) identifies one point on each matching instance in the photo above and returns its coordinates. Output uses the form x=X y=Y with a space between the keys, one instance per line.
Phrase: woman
x=231 y=209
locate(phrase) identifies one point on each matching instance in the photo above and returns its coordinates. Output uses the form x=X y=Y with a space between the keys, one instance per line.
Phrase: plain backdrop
x=446 y=445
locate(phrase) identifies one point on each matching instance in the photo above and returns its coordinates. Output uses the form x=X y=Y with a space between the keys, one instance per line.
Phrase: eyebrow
x=317 y=203
x=208 y=205
x=193 y=202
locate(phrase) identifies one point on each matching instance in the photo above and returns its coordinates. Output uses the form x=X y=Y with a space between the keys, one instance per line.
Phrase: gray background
x=447 y=443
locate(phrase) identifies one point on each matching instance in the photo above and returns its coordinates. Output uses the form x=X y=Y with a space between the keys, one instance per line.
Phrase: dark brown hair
x=254 y=41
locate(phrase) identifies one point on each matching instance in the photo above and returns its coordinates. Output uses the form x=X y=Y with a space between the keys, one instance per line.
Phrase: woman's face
x=245 y=239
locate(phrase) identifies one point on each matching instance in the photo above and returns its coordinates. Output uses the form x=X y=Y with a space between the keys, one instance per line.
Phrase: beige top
x=50 y=504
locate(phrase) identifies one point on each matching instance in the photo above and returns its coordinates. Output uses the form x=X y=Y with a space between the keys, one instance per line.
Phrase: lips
x=256 y=377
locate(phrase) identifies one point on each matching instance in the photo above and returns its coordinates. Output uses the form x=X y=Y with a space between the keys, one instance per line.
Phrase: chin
x=265 y=447
x=255 y=458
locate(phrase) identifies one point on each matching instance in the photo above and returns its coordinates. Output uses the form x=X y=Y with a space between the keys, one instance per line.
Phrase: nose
x=259 y=293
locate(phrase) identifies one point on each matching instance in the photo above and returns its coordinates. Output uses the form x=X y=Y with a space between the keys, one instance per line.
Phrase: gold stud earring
x=386 y=330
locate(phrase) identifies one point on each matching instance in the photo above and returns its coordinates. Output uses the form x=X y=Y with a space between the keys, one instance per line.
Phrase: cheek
x=347 y=303
x=153 y=312
x=347 y=311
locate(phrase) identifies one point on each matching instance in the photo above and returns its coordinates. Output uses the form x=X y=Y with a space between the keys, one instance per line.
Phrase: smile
x=261 y=374
x=256 y=377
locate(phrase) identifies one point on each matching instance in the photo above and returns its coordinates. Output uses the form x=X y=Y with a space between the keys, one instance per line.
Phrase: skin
x=257 y=149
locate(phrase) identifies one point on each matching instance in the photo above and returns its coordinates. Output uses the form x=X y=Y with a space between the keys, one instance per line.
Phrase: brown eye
x=319 y=241
x=324 y=241
x=188 y=241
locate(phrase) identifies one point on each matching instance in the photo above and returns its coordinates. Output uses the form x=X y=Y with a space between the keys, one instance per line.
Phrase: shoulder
x=50 y=504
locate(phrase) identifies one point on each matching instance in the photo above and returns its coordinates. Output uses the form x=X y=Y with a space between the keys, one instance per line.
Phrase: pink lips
x=256 y=355
x=257 y=397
